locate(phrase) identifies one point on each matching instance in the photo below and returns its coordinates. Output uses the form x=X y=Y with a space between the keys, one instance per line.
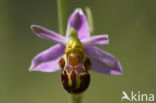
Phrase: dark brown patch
x=85 y=80
x=64 y=79
x=87 y=64
x=73 y=89
x=73 y=79
x=61 y=63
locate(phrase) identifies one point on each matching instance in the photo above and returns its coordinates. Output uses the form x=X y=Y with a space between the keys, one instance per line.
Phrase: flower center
x=75 y=65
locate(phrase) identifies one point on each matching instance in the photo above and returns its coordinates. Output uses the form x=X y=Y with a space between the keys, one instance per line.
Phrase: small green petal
x=74 y=42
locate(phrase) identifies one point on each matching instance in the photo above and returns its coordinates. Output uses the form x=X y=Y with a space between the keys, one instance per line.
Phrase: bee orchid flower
x=75 y=54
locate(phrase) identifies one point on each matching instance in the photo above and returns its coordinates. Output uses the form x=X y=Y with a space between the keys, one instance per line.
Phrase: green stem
x=75 y=98
x=90 y=19
x=62 y=15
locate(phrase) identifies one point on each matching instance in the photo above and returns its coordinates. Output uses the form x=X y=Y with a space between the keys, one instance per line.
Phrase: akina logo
x=137 y=96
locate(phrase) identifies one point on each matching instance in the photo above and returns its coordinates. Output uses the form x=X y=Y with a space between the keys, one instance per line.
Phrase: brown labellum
x=78 y=83
x=75 y=77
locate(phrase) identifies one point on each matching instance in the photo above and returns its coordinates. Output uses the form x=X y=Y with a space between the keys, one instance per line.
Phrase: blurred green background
x=131 y=25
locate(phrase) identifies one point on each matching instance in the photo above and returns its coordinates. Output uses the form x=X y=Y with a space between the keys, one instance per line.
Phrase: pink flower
x=47 y=61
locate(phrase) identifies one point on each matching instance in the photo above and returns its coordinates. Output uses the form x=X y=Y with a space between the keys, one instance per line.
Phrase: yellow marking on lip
x=78 y=82
x=69 y=78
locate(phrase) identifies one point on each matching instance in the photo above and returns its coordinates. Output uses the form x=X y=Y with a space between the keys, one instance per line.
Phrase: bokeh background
x=131 y=25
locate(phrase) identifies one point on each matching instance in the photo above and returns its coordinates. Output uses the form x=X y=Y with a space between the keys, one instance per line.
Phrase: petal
x=98 y=40
x=48 y=34
x=47 y=60
x=79 y=22
x=103 y=62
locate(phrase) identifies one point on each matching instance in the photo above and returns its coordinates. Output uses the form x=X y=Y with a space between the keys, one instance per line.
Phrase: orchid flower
x=75 y=54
